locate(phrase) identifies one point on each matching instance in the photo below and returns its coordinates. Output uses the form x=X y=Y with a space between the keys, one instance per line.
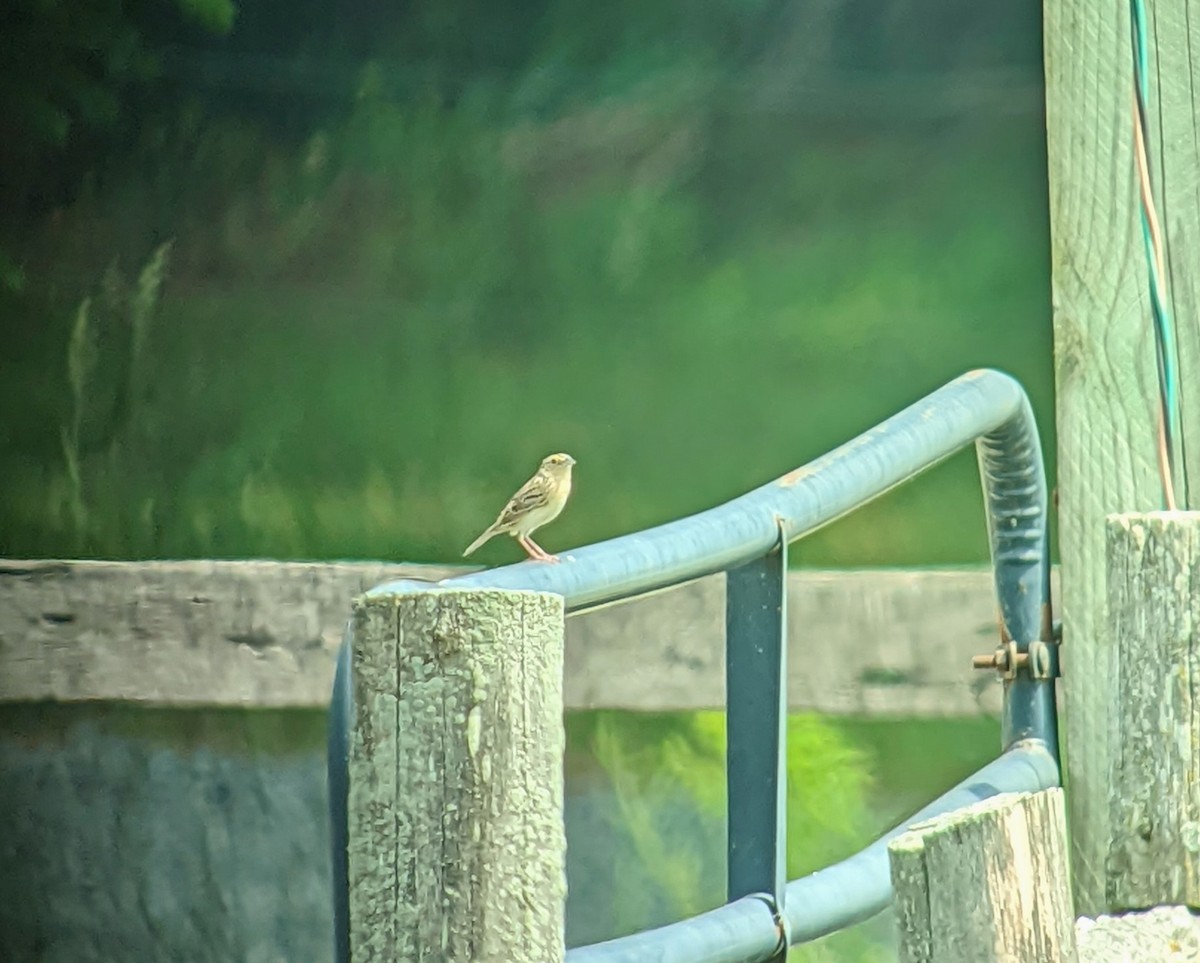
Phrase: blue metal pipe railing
x=986 y=407
x=341 y=715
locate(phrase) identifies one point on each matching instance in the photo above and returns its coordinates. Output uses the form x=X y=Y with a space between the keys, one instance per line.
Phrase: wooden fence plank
x=877 y=642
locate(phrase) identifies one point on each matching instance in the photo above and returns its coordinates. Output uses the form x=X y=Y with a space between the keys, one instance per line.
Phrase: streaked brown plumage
x=536 y=503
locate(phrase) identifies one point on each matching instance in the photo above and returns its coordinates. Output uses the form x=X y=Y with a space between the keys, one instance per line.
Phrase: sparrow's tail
x=480 y=540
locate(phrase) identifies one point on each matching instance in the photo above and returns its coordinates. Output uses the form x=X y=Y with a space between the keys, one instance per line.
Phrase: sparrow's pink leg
x=536 y=551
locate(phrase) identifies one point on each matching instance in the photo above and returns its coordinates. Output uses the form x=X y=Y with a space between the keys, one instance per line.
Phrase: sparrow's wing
x=534 y=494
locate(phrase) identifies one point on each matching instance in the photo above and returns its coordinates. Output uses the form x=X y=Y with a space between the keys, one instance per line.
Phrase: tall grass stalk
x=82 y=358
x=143 y=305
x=126 y=453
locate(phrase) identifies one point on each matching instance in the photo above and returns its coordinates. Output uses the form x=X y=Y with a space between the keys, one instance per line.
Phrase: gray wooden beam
x=878 y=642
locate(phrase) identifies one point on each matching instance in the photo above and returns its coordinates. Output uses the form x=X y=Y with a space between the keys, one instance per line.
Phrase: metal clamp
x=781 y=923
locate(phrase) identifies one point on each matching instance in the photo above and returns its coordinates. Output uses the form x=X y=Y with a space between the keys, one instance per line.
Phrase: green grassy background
x=317 y=416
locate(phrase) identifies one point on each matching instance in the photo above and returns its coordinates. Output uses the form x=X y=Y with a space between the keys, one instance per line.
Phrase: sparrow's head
x=558 y=463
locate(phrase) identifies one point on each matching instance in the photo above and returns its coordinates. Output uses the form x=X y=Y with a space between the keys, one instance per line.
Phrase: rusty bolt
x=1006 y=659
x=991 y=661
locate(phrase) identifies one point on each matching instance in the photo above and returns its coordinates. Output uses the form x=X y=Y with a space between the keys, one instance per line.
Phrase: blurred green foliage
x=662 y=776
x=666 y=775
x=71 y=77
x=366 y=343
x=318 y=280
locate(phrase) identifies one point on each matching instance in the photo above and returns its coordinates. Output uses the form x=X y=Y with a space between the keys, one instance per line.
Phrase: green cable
x=1166 y=352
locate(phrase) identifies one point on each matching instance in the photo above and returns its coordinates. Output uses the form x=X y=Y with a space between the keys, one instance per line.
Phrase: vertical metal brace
x=341 y=709
x=756 y=729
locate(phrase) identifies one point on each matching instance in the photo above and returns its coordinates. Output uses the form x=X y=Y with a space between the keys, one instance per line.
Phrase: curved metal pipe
x=983 y=406
x=337 y=757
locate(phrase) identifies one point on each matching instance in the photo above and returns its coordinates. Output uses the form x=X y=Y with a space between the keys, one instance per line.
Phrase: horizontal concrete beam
x=879 y=642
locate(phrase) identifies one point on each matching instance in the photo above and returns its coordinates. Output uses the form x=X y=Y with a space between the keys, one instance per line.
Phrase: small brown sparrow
x=536 y=503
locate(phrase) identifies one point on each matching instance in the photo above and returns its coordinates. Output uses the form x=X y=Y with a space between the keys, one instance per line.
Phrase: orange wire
x=1143 y=165
x=1143 y=171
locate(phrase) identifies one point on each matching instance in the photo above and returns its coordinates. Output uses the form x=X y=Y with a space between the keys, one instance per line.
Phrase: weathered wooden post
x=456 y=844
x=988 y=883
x=1154 y=623
x=1106 y=384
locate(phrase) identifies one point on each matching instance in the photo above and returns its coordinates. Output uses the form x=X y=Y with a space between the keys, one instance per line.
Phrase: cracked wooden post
x=456 y=844
x=1154 y=741
x=988 y=883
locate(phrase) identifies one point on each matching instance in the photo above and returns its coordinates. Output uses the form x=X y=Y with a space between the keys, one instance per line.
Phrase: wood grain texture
x=1154 y=796
x=456 y=847
x=1104 y=351
x=880 y=642
x=373 y=823
x=988 y=883
x=178 y=633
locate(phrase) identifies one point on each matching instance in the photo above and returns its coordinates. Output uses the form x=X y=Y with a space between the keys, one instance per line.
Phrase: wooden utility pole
x=456 y=846
x=1104 y=346
x=988 y=883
